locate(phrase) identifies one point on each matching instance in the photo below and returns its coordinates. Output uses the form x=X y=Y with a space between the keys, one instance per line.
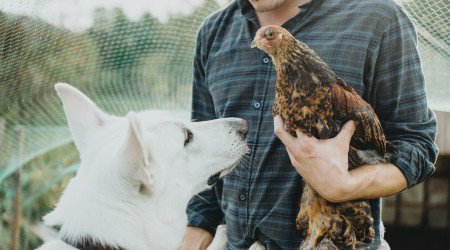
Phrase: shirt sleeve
x=202 y=103
x=400 y=100
x=203 y=210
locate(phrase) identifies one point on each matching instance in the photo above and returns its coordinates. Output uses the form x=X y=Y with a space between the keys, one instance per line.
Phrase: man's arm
x=324 y=165
x=394 y=86
x=196 y=238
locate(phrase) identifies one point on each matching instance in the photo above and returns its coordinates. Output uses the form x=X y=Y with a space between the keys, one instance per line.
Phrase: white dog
x=137 y=175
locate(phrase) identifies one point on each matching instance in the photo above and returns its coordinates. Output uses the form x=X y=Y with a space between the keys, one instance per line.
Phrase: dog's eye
x=187 y=136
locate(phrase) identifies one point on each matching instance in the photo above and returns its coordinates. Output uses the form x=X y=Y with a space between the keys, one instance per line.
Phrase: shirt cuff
x=415 y=167
x=197 y=220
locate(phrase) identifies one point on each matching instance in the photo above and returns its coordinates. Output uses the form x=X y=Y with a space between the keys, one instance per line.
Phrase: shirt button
x=266 y=60
x=249 y=151
x=242 y=197
x=257 y=105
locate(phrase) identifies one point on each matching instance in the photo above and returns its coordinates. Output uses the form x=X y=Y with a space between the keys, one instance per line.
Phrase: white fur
x=136 y=174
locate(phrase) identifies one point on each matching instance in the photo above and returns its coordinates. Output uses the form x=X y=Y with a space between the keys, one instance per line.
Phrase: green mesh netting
x=123 y=63
x=432 y=21
x=126 y=55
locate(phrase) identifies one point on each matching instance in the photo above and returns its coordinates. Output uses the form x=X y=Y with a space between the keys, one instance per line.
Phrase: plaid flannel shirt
x=371 y=44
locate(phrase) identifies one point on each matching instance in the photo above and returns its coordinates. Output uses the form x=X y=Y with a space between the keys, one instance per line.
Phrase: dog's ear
x=83 y=116
x=138 y=158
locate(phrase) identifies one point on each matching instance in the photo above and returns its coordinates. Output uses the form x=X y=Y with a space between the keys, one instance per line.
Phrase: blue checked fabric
x=371 y=44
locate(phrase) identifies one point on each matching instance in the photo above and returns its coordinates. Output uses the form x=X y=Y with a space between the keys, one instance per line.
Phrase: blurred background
x=135 y=55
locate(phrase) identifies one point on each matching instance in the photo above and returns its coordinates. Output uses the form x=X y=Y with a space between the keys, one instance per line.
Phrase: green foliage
x=42 y=181
x=121 y=64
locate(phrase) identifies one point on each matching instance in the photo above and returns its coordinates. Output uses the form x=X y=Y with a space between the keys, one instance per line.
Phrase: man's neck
x=281 y=14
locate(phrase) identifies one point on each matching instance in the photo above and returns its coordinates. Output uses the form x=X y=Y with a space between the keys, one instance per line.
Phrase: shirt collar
x=248 y=11
x=305 y=10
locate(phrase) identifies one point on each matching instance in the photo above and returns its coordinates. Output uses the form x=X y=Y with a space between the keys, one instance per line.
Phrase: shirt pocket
x=230 y=76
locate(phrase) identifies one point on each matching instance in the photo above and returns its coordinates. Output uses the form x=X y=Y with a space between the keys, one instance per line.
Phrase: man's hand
x=196 y=238
x=323 y=164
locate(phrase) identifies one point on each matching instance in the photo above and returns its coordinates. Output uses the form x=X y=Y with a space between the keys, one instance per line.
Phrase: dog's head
x=146 y=152
x=128 y=161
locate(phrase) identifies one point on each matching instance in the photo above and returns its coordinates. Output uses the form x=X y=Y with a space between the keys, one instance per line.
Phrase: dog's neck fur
x=89 y=244
x=147 y=214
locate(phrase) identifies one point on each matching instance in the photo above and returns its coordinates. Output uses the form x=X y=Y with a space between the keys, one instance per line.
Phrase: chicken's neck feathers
x=296 y=63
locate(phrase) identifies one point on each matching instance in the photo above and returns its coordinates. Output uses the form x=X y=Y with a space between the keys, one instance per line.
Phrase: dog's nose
x=239 y=125
x=244 y=128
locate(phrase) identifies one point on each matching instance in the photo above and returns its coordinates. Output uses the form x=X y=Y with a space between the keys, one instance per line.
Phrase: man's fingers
x=278 y=127
x=346 y=133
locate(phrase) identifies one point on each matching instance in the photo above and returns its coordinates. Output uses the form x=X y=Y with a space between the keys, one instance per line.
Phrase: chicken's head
x=271 y=39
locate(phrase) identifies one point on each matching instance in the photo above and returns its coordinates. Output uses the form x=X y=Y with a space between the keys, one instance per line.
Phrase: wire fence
x=128 y=55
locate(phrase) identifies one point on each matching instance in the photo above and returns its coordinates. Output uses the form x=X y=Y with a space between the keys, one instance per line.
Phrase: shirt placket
x=261 y=84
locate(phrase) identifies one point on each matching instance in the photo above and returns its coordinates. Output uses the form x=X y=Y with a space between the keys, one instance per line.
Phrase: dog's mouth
x=215 y=177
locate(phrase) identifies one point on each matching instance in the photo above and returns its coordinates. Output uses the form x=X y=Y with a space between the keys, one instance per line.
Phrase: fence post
x=2 y=132
x=15 y=223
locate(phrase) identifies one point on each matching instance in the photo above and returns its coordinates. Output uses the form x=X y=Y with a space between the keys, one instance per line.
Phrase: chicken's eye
x=270 y=35
x=187 y=136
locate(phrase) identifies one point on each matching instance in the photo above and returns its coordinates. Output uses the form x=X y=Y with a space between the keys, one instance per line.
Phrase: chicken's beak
x=256 y=43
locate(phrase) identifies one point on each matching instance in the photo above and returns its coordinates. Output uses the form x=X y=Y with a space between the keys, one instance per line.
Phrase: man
x=371 y=44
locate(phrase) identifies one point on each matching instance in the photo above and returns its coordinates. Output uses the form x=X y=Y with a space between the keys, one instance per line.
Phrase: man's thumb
x=347 y=132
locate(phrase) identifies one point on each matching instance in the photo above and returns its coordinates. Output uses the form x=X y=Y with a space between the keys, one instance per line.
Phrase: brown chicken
x=311 y=98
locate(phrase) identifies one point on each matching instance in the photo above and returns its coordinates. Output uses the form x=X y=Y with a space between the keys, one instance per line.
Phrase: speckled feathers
x=311 y=98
